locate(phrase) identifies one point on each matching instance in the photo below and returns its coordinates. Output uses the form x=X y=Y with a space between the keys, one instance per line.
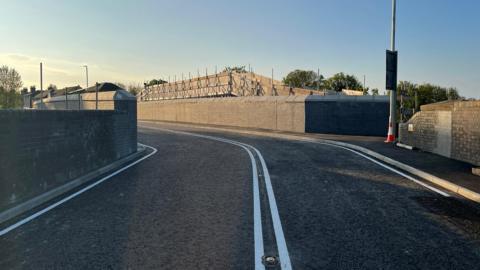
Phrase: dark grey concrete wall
x=43 y=149
x=347 y=115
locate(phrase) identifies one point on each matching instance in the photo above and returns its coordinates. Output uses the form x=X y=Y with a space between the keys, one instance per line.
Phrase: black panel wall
x=344 y=115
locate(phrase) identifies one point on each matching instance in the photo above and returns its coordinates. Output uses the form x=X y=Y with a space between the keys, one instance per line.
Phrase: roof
x=60 y=92
x=69 y=89
x=102 y=87
x=40 y=94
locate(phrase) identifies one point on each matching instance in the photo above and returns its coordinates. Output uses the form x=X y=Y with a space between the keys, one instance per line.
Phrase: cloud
x=63 y=72
x=19 y=57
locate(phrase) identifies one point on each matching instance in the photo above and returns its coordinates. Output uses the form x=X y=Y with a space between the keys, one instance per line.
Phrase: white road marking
x=391 y=169
x=277 y=225
x=62 y=201
x=280 y=238
x=312 y=141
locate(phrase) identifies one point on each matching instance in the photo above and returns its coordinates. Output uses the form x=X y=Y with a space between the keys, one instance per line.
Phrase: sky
x=438 y=41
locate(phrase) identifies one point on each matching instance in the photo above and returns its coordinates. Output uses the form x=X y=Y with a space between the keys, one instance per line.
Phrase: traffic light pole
x=392 y=125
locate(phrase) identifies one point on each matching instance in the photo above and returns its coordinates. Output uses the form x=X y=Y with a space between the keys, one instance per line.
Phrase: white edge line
x=46 y=209
x=391 y=169
x=257 y=216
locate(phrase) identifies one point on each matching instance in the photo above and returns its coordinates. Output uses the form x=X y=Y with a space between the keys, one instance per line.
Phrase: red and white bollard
x=390 y=136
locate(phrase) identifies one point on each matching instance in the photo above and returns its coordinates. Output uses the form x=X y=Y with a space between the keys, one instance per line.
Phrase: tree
x=10 y=99
x=10 y=80
x=134 y=89
x=303 y=79
x=155 y=82
x=52 y=87
x=375 y=92
x=341 y=81
x=427 y=93
x=10 y=83
x=416 y=95
x=237 y=69
x=452 y=94
x=365 y=91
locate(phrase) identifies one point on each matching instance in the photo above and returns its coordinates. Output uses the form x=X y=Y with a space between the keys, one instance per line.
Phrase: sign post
x=391 y=80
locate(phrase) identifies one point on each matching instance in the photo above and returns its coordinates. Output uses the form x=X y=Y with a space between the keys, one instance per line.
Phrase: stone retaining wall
x=364 y=115
x=450 y=129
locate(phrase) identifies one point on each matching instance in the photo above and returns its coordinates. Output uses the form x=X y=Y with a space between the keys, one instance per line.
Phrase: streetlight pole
x=86 y=73
x=41 y=82
x=392 y=78
x=394 y=24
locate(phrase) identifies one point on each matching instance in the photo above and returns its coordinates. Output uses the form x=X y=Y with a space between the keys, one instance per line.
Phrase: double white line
x=257 y=212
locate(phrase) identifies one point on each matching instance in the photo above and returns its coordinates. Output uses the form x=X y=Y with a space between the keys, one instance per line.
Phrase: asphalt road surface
x=206 y=201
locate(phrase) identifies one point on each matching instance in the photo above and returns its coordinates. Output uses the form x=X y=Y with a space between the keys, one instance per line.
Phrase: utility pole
x=402 y=92
x=272 y=83
x=86 y=74
x=318 y=79
x=41 y=82
x=96 y=96
x=391 y=81
x=66 y=98
x=416 y=102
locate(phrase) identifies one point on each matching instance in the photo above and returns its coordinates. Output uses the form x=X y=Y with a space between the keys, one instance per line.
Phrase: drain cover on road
x=270 y=261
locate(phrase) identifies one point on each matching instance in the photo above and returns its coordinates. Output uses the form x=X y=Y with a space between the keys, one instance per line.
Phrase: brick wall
x=364 y=115
x=466 y=132
x=432 y=132
x=451 y=129
x=424 y=136
x=286 y=113
x=44 y=149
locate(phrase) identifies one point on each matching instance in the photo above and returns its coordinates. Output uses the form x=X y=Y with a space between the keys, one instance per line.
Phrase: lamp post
x=41 y=82
x=86 y=74
x=391 y=80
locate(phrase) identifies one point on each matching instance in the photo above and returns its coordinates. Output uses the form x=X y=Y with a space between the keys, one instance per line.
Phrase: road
x=204 y=201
